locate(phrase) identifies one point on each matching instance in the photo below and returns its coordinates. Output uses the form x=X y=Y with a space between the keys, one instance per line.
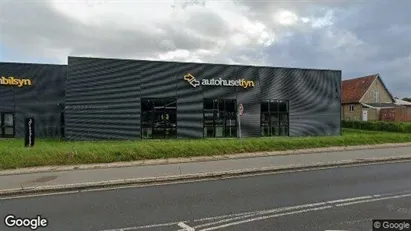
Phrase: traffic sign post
x=240 y=113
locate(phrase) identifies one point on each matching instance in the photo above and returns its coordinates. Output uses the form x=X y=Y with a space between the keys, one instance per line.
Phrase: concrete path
x=97 y=177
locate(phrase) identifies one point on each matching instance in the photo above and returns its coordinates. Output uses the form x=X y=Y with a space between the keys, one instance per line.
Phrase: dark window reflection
x=274 y=118
x=159 y=118
x=220 y=118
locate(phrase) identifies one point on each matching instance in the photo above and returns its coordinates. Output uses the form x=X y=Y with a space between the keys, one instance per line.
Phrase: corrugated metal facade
x=103 y=96
x=43 y=100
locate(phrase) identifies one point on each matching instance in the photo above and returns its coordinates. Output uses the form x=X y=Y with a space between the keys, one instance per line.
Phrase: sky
x=358 y=37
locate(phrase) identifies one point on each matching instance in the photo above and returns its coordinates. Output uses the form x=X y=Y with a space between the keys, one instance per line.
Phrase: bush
x=378 y=126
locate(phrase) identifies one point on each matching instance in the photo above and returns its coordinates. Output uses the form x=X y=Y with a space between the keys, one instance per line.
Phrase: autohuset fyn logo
x=12 y=81
x=218 y=82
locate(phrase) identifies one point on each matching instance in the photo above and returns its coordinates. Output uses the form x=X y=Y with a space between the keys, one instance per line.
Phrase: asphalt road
x=288 y=201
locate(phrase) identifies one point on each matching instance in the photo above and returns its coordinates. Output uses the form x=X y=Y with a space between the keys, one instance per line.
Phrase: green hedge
x=378 y=126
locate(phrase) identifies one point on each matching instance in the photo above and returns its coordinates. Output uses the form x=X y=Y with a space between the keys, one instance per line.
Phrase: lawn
x=13 y=154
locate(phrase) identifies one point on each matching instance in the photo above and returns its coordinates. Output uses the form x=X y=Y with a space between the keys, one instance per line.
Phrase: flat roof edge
x=209 y=63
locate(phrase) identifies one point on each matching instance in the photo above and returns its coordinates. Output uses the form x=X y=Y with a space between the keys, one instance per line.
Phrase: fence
x=399 y=114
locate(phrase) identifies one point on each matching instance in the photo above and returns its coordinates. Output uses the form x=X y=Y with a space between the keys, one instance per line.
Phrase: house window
x=274 y=118
x=352 y=107
x=377 y=97
x=220 y=118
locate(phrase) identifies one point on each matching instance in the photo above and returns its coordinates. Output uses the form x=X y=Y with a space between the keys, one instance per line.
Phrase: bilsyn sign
x=12 y=81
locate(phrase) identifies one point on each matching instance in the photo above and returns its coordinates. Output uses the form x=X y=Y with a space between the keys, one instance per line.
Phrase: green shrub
x=378 y=126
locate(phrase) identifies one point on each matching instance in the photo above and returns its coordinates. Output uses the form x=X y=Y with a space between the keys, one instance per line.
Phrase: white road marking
x=143 y=227
x=185 y=227
x=262 y=212
x=298 y=208
x=267 y=217
x=372 y=200
x=351 y=199
x=37 y=195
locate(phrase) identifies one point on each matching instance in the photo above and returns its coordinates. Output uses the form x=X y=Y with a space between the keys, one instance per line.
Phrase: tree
x=407 y=99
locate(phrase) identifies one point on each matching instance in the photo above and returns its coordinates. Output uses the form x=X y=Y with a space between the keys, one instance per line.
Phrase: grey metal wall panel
x=158 y=80
x=313 y=95
x=43 y=100
x=251 y=100
x=6 y=98
x=224 y=72
x=103 y=99
x=103 y=96
x=189 y=102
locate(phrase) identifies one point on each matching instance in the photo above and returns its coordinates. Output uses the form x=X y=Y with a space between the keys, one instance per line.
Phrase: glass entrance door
x=7 y=125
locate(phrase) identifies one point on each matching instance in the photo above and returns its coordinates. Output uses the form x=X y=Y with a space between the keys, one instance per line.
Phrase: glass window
x=9 y=131
x=274 y=106
x=147 y=133
x=208 y=104
x=274 y=118
x=265 y=130
x=159 y=118
x=231 y=106
x=8 y=119
x=7 y=125
x=209 y=131
x=282 y=106
x=264 y=107
x=220 y=119
x=219 y=131
x=231 y=132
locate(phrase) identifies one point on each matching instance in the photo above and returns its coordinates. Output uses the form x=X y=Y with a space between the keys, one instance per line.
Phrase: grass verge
x=52 y=152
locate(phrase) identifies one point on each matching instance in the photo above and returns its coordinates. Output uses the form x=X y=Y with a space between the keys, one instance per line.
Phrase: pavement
x=323 y=199
x=51 y=179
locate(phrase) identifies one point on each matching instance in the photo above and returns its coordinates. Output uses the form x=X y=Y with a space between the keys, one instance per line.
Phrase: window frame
x=151 y=125
x=267 y=126
x=3 y=126
x=217 y=112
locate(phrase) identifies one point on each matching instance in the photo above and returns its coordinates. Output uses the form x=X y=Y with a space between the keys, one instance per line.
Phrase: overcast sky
x=357 y=37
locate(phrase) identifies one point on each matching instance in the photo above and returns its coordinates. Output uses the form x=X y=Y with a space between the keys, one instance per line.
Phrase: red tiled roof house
x=362 y=98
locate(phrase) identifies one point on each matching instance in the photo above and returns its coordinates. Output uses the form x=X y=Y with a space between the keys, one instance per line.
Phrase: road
x=310 y=200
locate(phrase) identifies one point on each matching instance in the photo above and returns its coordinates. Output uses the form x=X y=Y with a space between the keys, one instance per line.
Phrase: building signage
x=14 y=81
x=29 y=132
x=217 y=82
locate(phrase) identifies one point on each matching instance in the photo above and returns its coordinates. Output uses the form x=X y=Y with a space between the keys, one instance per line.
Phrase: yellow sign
x=15 y=82
x=218 y=82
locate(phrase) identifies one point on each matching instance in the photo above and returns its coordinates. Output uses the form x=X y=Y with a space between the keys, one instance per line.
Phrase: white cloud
x=322 y=34
x=285 y=17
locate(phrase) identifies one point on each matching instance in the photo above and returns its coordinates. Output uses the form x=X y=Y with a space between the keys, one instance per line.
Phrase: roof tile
x=354 y=89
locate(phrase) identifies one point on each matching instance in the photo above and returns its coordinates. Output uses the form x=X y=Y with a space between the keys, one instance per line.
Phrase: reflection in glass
x=219 y=131
x=274 y=118
x=8 y=131
x=159 y=118
x=209 y=131
x=231 y=131
x=219 y=115
x=8 y=119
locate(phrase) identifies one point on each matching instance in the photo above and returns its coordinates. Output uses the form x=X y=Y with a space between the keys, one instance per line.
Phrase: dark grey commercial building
x=96 y=98
x=32 y=90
